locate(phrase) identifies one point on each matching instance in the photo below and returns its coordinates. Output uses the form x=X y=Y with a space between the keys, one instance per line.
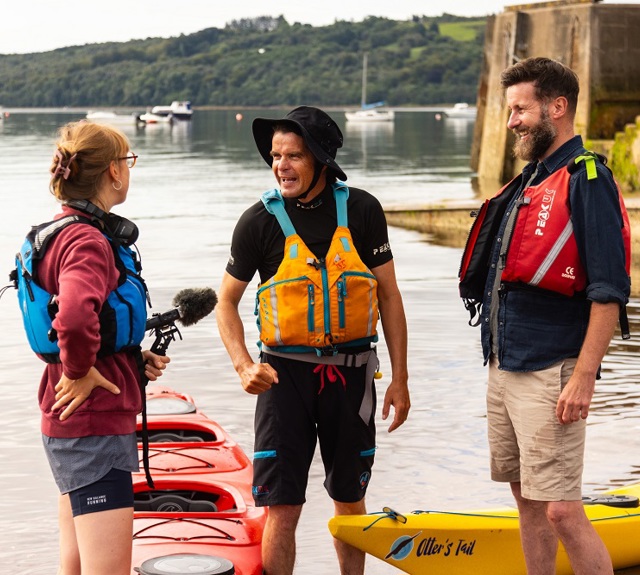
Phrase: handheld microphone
x=191 y=305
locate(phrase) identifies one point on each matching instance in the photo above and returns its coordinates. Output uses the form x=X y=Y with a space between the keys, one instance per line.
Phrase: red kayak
x=200 y=516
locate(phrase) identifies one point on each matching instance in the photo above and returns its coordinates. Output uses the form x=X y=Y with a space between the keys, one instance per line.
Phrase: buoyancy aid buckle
x=328 y=351
x=317 y=264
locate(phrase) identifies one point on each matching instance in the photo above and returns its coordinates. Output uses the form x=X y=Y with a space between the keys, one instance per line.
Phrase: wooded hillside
x=260 y=62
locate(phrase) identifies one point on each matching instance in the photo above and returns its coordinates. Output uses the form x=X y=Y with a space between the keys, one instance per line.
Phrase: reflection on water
x=370 y=139
x=460 y=127
x=190 y=185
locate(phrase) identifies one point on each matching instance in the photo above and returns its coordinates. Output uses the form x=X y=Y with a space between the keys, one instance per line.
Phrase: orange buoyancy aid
x=313 y=303
x=543 y=251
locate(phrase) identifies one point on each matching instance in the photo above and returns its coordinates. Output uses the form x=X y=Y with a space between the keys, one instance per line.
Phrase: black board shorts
x=298 y=411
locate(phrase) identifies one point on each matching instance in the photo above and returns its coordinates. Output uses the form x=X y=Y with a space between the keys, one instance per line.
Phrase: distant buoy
x=438 y=117
x=238 y=116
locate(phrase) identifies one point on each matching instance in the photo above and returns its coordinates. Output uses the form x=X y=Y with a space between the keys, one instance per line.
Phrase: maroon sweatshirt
x=79 y=268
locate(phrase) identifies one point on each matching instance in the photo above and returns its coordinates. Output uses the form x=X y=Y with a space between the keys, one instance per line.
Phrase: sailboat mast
x=364 y=80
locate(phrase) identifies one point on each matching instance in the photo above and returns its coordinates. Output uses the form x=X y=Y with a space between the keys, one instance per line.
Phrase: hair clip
x=61 y=168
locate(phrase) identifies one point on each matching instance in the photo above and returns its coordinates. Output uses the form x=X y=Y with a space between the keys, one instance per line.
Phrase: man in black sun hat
x=326 y=273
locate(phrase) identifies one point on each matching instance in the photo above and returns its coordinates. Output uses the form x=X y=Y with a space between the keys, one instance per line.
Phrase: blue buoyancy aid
x=122 y=317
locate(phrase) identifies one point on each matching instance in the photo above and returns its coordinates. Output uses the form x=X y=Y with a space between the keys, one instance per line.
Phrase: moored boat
x=461 y=110
x=180 y=110
x=369 y=112
x=483 y=542
x=199 y=517
x=151 y=118
x=370 y=115
x=113 y=118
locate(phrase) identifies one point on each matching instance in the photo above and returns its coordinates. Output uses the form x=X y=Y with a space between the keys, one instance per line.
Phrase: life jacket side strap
x=474 y=307
x=624 y=323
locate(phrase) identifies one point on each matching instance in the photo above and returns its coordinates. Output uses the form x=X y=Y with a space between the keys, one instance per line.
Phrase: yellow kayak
x=483 y=542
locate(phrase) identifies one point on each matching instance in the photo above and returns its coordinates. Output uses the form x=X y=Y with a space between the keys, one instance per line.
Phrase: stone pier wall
x=600 y=42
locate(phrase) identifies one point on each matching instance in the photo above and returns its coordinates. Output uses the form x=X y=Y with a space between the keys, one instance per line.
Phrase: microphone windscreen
x=194 y=304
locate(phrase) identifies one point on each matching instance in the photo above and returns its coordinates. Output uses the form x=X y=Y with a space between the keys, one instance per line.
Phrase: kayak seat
x=167 y=435
x=182 y=501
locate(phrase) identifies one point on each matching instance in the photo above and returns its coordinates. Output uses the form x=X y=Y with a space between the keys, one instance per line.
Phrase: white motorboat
x=369 y=112
x=152 y=118
x=461 y=110
x=179 y=110
x=113 y=118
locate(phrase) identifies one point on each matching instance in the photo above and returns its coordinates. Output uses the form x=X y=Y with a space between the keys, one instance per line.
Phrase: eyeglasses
x=131 y=159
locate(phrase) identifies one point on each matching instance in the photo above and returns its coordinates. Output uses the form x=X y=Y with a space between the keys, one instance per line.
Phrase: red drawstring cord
x=332 y=372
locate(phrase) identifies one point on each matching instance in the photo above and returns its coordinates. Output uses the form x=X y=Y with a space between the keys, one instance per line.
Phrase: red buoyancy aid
x=543 y=251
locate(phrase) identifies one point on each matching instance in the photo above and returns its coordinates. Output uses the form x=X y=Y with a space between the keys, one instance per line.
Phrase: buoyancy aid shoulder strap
x=274 y=204
x=40 y=236
x=589 y=159
x=341 y=194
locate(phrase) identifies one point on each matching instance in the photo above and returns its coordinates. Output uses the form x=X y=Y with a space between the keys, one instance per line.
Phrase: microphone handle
x=163 y=319
x=163 y=338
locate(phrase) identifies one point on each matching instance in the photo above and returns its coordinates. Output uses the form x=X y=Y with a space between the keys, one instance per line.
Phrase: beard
x=540 y=137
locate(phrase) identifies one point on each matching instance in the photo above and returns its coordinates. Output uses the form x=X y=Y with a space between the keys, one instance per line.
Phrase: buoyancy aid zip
x=342 y=293
x=508 y=232
x=311 y=304
x=326 y=299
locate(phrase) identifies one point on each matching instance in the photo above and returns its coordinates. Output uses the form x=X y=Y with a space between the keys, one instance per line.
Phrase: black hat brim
x=263 y=135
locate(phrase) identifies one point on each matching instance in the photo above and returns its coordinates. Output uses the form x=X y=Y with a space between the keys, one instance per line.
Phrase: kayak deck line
x=223 y=534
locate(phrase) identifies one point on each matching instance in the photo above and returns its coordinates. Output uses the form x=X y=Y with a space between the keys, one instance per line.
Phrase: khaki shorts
x=526 y=442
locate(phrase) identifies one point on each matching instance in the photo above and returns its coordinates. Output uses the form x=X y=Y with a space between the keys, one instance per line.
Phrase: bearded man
x=555 y=284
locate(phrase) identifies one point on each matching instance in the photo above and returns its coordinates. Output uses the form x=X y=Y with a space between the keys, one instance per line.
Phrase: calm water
x=190 y=185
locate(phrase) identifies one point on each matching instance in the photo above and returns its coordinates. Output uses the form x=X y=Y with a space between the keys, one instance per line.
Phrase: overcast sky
x=41 y=25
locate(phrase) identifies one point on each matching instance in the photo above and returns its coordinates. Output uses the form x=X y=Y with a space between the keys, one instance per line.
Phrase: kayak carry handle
x=613 y=500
